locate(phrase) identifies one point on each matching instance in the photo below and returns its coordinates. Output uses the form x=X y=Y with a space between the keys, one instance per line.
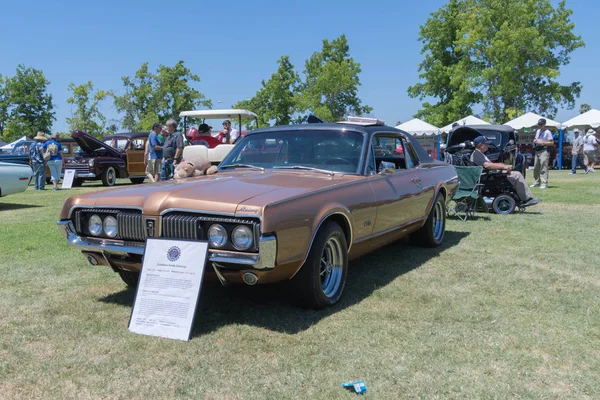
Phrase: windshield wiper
x=322 y=171
x=242 y=166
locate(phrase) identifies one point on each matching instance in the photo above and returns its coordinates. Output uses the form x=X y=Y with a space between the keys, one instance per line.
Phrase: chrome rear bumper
x=264 y=260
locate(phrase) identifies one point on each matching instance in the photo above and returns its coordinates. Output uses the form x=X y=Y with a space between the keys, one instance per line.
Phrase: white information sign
x=67 y=182
x=169 y=287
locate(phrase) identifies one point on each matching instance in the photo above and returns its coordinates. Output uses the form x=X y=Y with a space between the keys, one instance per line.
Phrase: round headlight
x=110 y=226
x=217 y=235
x=241 y=237
x=91 y=162
x=95 y=225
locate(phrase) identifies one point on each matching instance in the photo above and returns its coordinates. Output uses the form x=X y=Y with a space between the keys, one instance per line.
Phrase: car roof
x=129 y=135
x=486 y=127
x=227 y=113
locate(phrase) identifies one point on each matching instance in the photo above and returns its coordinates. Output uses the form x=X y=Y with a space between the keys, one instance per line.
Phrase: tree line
x=500 y=56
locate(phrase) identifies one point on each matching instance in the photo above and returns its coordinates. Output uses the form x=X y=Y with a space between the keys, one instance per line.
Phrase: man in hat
x=36 y=160
x=543 y=139
x=515 y=178
x=590 y=149
x=577 y=147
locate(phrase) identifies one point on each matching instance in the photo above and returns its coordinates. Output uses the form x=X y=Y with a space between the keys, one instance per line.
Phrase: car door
x=135 y=157
x=396 y=188
x=424 y=180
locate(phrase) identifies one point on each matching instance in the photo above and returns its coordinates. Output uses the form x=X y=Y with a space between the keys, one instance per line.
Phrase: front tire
x=504 y=204
x=109 y=176
x=321 y=280
x=130 y=278
x=432 y=233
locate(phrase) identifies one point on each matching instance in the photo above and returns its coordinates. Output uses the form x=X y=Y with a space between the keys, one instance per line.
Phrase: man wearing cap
x=543 y=139
x=36 y=160
x=577 y=147
x=590 y=149
x=514 y=177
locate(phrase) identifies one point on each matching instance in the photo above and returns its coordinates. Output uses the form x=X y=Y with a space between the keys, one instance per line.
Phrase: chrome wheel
x=438 y=221
x=331 y=268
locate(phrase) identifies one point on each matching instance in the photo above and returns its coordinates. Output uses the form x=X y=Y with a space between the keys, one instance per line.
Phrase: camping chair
x=468 y=196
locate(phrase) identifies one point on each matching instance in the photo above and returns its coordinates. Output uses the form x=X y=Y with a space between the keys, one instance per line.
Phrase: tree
x=151 y=97
x=275 y=100
x=3 y=105
x=584 y=108
x=504 y=54
x=330 y=88
x=87 y=116
x=25 y=103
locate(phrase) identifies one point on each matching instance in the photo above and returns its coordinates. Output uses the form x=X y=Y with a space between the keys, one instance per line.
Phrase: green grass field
x=508 y=307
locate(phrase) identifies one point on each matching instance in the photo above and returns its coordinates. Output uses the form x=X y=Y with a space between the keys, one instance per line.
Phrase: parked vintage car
x=287 y=203
x=116 y=156
x=15 y=174
x=70 y=149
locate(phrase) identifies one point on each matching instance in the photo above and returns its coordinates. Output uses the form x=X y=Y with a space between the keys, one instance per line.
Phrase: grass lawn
x=508 y=307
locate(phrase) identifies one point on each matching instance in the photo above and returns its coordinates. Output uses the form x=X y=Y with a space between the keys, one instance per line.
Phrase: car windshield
x=319 y=151
x=117 y=143
x=495 y=137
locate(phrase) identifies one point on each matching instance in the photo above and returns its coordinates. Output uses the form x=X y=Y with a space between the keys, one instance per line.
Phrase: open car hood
x=89 y=144
x=461 y=134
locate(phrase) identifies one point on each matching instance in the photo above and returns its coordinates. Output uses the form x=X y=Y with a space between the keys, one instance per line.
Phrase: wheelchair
x=498 y=193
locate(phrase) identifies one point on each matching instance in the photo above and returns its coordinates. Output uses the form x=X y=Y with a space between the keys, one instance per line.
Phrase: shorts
x=591 y=156
x=153 y=167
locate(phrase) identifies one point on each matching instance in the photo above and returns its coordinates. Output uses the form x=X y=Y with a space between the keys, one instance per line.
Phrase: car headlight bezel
x=213 y=235
x=248 y=235
x=95 y=221
x=114 y=230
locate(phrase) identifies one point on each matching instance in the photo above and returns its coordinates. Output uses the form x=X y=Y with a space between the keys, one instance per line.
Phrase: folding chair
x=468 y=196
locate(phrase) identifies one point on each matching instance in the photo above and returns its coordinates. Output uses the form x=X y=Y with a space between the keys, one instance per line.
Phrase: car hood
x=235 y=192
x=89 y=144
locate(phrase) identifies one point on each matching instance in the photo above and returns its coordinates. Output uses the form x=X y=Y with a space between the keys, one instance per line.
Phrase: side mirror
x=386 y=167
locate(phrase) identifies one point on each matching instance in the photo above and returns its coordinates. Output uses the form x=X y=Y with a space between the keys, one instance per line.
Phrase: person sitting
x=228 y=135
x=514 y=177
x=203 y=136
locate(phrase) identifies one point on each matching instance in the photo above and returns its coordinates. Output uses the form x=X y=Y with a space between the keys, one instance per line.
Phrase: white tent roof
x=11 y=145
x=530 y=120
x=208 y=114
x=470 y=120
x=418 y=127
x=582 y=121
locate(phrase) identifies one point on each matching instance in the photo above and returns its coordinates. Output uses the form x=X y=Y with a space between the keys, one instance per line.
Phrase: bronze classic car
x=116 y=156
x=288 y=203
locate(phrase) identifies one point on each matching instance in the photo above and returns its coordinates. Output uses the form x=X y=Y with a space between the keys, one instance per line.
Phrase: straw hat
x=40 y=136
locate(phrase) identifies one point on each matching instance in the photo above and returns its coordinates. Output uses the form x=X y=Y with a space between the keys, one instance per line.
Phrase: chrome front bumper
x=85 y=175
x=264 y=260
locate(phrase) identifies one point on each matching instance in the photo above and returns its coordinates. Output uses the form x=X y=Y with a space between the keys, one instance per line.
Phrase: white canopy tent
x=10 y=146
x=470 y=120
x=590 y=119
x=530 y=120
x=418 y=127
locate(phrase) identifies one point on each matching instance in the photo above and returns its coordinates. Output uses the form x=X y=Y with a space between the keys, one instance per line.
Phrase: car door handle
x=415 y=180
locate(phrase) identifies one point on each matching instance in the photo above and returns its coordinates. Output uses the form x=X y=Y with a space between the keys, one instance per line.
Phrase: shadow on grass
x=16 y=206
x=269 y=306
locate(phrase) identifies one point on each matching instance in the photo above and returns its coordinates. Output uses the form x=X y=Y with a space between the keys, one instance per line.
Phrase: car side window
x=371 y=167
x=138 y=144
x=388 y=148
x=410 y=155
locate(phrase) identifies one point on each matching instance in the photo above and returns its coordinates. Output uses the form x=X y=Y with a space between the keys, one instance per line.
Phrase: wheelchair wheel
x=504 y=204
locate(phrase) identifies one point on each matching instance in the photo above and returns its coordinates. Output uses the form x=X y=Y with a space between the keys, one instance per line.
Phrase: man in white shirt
x=515 y=178
x=543 y=139
x=229 y=135
x=590 y=149
x=577 y=147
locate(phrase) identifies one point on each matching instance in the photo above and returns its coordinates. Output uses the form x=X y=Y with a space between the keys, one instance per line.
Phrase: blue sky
x=233 y=45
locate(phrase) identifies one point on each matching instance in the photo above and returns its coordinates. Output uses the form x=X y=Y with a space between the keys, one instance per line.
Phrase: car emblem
x=173 y=253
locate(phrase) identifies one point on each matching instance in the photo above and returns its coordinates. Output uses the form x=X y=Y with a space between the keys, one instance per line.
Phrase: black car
x=503 y=148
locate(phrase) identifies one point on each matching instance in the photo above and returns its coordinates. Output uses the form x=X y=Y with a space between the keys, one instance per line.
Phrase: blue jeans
x=166 y=170
x=575 y=161
x=39 y=175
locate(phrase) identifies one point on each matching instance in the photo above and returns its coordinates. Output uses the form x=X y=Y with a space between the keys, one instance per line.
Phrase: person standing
x=577 y=147
x=172 y=150
x=55 y=162
x=153 y=154
x=36 y=160
x=590 y=149
x=543 y=139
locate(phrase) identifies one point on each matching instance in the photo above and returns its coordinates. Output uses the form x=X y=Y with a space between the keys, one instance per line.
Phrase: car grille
x=84 y=169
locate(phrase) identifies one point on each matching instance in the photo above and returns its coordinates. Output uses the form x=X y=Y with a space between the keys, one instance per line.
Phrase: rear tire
x=109 y=176
x=504 y=204
x=432 y=233
x=137 y=180
x=321 y=280
x=131 y=278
